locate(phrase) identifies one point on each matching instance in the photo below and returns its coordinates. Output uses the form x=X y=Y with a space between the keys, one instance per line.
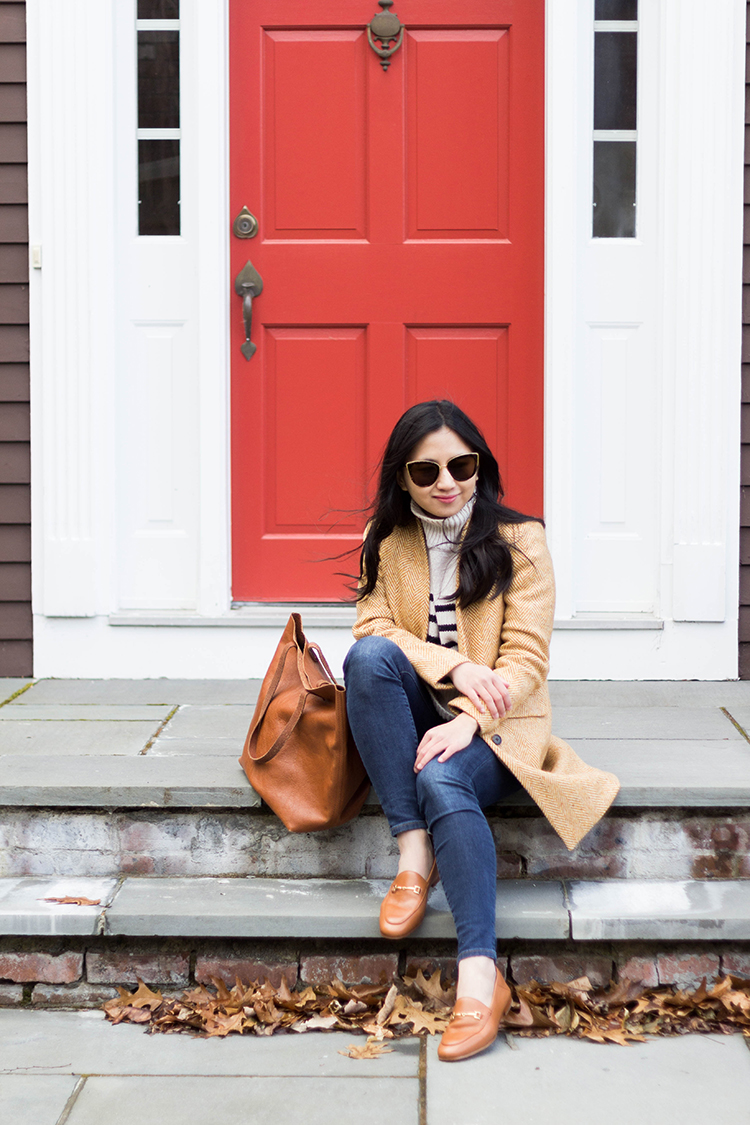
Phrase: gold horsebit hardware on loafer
x=461 y=1015
x=415 y=890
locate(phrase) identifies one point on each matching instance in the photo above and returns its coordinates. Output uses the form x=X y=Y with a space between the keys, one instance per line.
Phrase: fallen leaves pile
x=420 y=1005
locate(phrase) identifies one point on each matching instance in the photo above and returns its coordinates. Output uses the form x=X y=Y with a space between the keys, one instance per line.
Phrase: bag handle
x=283 y=737
x=291 y=724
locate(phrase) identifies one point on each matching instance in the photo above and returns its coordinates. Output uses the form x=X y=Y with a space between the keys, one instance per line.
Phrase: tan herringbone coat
x=510 y=633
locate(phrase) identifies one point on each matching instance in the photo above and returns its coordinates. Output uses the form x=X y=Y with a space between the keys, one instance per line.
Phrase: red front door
x=400 y=243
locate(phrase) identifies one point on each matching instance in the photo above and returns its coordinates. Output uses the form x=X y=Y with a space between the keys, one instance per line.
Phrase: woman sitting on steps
x=447 y=694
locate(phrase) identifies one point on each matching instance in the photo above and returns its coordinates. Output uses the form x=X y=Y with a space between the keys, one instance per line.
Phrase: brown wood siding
x=15 y=498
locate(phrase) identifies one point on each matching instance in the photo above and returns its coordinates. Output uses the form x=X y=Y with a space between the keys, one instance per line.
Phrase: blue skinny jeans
x=390 y=709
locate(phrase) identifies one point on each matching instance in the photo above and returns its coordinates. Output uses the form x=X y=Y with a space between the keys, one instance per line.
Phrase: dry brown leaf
x=321 y=1023
x=388 y=1004
x=372 y=1049
x=409 y=1011
x=432 y=988
x=75 y=900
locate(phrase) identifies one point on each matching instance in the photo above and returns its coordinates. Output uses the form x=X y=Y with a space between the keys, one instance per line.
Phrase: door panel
x=458 y=155
x=401 y=248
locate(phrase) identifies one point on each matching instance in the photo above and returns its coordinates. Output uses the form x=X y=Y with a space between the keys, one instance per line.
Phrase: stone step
x=99 y=778
x=606 y=910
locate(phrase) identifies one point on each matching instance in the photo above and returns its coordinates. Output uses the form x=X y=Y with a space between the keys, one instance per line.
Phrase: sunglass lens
x=463 y=468
x=423 y=473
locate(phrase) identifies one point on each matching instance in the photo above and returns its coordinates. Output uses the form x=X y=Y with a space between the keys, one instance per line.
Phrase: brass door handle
x=248 y=284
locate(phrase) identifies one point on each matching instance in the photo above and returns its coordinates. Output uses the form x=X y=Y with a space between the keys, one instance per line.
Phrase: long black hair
x=485 y=560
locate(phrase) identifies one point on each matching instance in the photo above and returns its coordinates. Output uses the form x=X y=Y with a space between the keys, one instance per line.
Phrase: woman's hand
x=445 y=740
x=485 y=687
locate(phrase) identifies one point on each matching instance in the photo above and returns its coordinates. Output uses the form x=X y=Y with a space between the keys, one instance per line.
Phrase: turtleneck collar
x=447 y=529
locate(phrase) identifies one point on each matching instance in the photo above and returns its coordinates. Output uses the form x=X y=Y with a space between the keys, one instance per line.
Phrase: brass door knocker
x=387 y=28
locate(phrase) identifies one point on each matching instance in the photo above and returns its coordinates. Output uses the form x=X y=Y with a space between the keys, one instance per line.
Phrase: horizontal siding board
x=12 y=101
x=14 y=185
x=744 y=667
x=15 y=543
x=744 y=507
x=14 y=223
x=14 y=382
x=745 y=623
x=14 y=304
x=14 y=343
x=14 y=421
x=16 y=658
x=13 y=62
x=15 y=582
x=745 y=585
x=14 y=262
x=746 y=382
x=13 y=143
x=745 y=546
x=745 y=465
x=12 y=23
x=14 y=462
x=15 y=621
x=746 y=343
x=15 y=505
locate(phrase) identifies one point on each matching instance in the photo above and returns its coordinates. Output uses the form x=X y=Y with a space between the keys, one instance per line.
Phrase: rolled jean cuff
x=407 y=826
x=491 y=953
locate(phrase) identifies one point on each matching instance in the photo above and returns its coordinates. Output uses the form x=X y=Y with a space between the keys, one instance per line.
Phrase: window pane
x=616 y=10
x=614 y=189
x=158 y=9
x=158 y=79
x=158 y=187
x=615 y=68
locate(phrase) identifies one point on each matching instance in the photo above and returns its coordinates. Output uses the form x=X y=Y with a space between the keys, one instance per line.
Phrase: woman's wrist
x=469 y=721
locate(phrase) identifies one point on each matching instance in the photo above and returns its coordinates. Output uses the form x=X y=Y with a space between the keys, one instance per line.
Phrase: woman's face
x=446 y=496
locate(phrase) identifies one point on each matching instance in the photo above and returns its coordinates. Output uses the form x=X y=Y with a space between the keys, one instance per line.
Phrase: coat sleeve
x=523 y=657
x=375 y=617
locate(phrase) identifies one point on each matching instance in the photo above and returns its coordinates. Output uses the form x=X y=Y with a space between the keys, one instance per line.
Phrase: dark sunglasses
x=424 y=473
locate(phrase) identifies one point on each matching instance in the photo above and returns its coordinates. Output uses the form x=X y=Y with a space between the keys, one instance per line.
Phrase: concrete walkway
x=74 y=1068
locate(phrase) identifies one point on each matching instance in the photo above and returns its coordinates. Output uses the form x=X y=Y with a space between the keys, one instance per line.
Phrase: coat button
x=496 y=739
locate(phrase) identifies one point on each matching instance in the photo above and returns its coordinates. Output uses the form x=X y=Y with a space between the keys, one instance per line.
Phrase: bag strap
x=283 y=737
x=291 y=724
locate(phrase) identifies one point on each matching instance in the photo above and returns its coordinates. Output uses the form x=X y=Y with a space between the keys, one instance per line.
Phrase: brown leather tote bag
x=299 y=753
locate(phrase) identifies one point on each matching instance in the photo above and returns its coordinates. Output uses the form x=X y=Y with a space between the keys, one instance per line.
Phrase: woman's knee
x=442 y=790
x=367 y=654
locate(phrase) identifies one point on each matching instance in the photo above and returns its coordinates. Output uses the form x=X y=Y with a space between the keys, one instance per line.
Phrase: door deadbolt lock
x=245 y=225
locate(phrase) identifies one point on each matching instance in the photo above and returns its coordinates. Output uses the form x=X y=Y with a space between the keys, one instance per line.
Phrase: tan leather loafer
x=473 y=1026
x=402 y=909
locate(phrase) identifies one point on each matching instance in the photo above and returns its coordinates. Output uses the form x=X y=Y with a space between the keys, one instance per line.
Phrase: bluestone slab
x=67 y=738
x=619 y=910
x=23 y=909
x=740 y=713
x=206 y=747
x=143 y=691
x=205 y=773
x=673 y=773
x=643 y=722
x=649 y=693
x=264 y=1101
x=310 y=908
x=9 y=686
x=690 y=1079
x=114 y=782
x=13 y=712
x=220 y=722
x=27 y=1099
x=84 y=1043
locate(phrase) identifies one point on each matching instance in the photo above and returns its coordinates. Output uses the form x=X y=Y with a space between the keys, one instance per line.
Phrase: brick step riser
x=85 y=972
x=642 y=844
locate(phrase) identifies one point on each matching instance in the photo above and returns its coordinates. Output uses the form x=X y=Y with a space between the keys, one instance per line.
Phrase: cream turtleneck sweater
x=442 y=537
